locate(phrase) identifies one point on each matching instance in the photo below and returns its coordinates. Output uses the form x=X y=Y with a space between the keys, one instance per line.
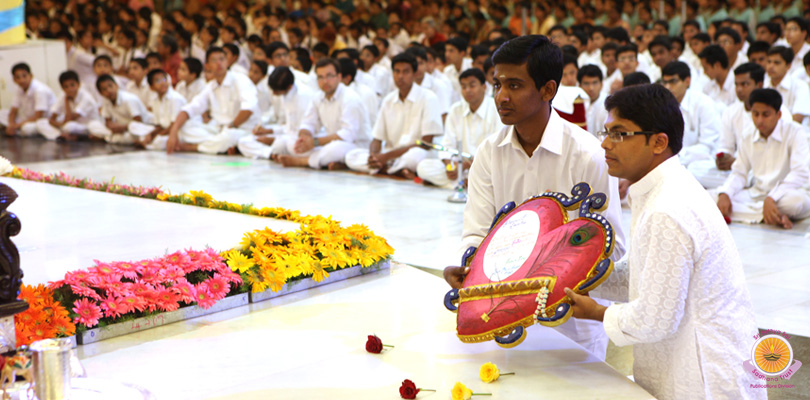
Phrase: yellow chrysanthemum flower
x=238 y=261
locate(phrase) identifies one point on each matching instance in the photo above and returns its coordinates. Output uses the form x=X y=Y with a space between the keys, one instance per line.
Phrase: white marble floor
x=423 y=228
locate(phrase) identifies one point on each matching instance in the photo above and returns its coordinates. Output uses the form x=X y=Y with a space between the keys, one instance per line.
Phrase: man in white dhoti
x=295 y=101
x=231 y=100
x=686 y=310
x=165 y=105
x=339 y=112
x=407 y=114
x=468 y=123
x=537 y=151
x=32 y=101
x=72 y=112
x=776 y=155
x=118 y=109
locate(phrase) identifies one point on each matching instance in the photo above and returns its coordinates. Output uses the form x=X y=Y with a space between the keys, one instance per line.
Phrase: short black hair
x=714 y=54
x=735 y=36
x=302 y=55
x=753 y=69
x=326 y=61
x=618 y=34
x=635 y=78
x=232 y=48
x=384 y=41
x=610 y=46
x=348 y=68
x=474 y=72
x=570 y=59
x=703 y=37
x=630 y=47
x=544 y=60
x=281 y=79
x=661 y=40
x=194 y=66
x=102 y=57
x=255 y=39
x=351 y=53
x=488 y=65
x=769 y=97
x=661 y=22
x=805 y=59
x=262 y=66
x=772 y=27
x=478 y=51
x=785 y=52
x=68 y=75
x=212 y=50
x=20 y=67
x=272 y=47
x=679 y=40
x=321 y=47
x=170 y=42
x=104 y=78
x=557 y=27
x=405 y=58
x=140 y=61
x=153 y=54
x=581 y=36
x=692 y=23
x=372 y=49
x=591 y=71
x=758 y=47
x=151 y=75
x=801 y=22
x=569 y=49
x=214 y=32
x=653 y=108
x=678 y=68
x=418 y=52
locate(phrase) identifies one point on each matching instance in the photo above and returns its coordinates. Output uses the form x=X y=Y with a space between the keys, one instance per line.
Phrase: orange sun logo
x=772 y=354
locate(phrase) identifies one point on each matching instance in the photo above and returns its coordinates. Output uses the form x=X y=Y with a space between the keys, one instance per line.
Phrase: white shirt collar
x=552 y=135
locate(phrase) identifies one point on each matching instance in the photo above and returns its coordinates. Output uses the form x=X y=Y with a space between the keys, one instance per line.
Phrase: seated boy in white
x=166 y=104
x=32 y=101
x=191 y=81
x=72 y=112
x=118 y=109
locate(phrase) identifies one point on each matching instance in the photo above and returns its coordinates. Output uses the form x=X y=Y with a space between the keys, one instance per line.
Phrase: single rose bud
x=374 y=344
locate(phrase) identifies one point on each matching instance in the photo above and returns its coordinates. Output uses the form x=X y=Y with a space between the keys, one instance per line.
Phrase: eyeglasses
x=618 y=137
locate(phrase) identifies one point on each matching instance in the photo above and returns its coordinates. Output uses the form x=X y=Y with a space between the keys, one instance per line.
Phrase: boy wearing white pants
x=468 y=123
x=295 y=101
x=72 y=112
x=32 y=101
x=408 y=114
x=337 y=110
x=118 y=109
x=232 y=102
x=165 y=106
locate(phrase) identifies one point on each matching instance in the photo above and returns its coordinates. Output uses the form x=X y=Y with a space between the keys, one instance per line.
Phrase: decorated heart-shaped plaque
x=532 y=252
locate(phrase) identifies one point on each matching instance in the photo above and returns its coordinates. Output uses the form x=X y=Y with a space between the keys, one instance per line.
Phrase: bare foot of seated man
x=407 y=174
x=293 y=161
x=337 y=166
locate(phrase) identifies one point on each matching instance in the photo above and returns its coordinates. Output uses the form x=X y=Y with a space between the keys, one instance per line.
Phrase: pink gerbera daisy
x=89 y=312
x=230 y=276
x=167 y=300
x=185 y=292
x=134 y=303
x=218 y=287
x=203 y=298
x=113 y=307
x=127 y=269
x=82 y=290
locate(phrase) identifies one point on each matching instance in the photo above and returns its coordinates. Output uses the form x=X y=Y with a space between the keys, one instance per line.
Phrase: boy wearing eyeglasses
x=686 y=308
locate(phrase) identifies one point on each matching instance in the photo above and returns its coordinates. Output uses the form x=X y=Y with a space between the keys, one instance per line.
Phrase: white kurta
x=795 y=94
x=722 y=94
x=689 y=316
x=701 y=126
x=596 y=115
x=503 y=172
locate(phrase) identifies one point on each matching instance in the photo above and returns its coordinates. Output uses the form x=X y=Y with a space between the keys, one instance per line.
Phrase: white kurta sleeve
x=727 y=142
x=738 y=178
x=249 y=98
x=617 y=286
x=199 y=104
x=380 y=129
x=480 y=208
x=42 y=98
x=431 y=116
x=801 y=100
x=452 y=133
x=663 y=283
x=799 y=173
x=351 y=120
x=311 y=121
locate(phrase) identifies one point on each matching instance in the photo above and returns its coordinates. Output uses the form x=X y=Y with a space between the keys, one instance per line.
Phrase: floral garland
x=268 y=259
x=113 y=292
x=45 y=318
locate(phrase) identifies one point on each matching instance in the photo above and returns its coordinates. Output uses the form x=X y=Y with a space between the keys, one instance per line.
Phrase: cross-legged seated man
x=776 y=155
x=469 y=122
x=338 y=112
x=407 y=114
x=231 y=100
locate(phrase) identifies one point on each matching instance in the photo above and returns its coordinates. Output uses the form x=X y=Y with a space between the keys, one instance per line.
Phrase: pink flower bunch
x=61 y=178
x=110 y=290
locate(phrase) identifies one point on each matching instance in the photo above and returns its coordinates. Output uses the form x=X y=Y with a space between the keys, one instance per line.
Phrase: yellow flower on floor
x=274 y=279
x=460 y=392
x=489 y=372
x=200 y=197
x=238 y=261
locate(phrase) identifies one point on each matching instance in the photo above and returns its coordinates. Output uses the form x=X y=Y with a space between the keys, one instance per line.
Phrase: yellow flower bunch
x=269 y=259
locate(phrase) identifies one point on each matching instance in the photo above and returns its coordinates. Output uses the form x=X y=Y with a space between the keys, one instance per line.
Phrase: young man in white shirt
x=191 y=81
x=295 y=102
x=137 y=84
x=796 y=33
x=118 y=109
x=232 y=53
x=467 y=124
x=232 y=102
x=339 y=112
x=776 y=154
x=258 y=75
x=731 y=42
x=32 y=101
x=795 y=93
x=165 y=105
x=455 y=52
x=700 y=114
x=348 y=71
x=536 y=152
x=72 y=112
x=717 y=68
x=442 y=90
x=407 y=114
x=590 y=80
x=382 y=76
x=735 y=123
x=684 y=303
x=626 y=63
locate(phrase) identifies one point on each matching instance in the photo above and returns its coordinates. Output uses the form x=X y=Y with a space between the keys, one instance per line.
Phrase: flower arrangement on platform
x=45 y=317
x=118 y=291
x=268 y=259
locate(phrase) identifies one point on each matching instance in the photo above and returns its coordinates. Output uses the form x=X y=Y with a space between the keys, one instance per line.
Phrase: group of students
x=366 y=107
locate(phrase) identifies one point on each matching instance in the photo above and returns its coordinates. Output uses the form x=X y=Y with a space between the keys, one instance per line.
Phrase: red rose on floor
x=408 y=389
x=374 y=344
